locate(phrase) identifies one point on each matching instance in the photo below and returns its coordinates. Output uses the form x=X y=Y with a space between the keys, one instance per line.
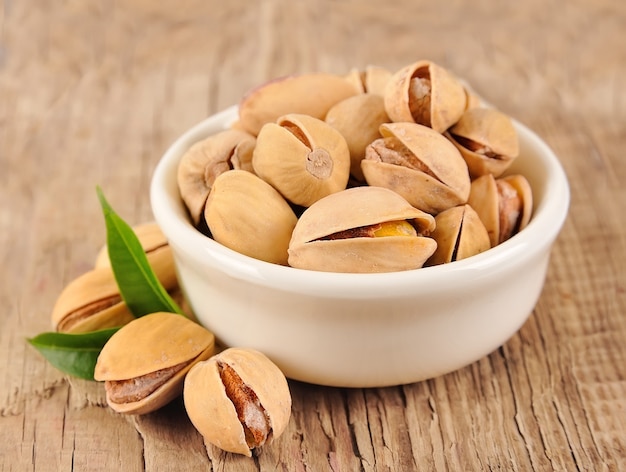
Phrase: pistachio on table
x=92 y=301
x=362 y=229
x=144 y=364
x=238 y=400
x=419 y=164
x=149 y=235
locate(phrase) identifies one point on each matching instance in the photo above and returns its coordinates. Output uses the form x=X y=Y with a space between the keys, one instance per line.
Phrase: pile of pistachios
x=370 y=172
x=107 y=329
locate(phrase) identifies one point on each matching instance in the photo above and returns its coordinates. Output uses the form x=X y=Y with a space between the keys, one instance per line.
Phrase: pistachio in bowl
x=352 y=314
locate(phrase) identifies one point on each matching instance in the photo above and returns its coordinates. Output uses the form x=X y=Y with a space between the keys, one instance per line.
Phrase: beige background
x=93 y=92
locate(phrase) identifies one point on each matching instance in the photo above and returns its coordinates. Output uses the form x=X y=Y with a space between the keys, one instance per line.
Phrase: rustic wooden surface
x=92 y=93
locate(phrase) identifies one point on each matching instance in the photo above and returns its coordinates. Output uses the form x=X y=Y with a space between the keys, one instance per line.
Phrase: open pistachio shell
x=419 y=164
x=248 y=215
x=303 y=157
x=358 y=119
x=310 y=94
x=425 y=93
x=238 y=400
x=330 y=236
x=486 y=139
x=92 y=301
x=205 y=160
x=144 y=363
x=504 y=205
x=459 y=234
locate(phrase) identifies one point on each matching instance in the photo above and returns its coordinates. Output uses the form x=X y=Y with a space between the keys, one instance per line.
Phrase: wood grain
x=93 y=92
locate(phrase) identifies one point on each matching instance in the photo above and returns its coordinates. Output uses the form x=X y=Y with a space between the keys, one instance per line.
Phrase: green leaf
x=74 y=354
x=140 y=288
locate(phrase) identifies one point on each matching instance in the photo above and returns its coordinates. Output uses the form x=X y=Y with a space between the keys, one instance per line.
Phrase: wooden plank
x=92 y=93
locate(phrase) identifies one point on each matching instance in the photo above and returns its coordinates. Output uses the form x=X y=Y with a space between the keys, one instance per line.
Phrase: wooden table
x=93 y=92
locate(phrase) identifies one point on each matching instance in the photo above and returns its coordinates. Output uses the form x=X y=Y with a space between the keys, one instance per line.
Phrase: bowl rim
x=548 y=217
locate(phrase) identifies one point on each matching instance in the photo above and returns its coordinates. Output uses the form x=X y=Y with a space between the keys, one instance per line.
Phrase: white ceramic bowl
x=365 y=330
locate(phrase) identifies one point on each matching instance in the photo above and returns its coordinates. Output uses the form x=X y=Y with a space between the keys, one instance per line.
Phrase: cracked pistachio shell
x=486 y=139
x=504 y=205
x=459 y=234
x=352 y=209
x=358 y=119
x=163 y=346
x=309 y=94
x=419 y=164
x=92 y=301
x=373 y=79
x=247 y=215
x=149 y=235
x=303 y=157
x=205 y=160
x=425 y=93
x=238 y=400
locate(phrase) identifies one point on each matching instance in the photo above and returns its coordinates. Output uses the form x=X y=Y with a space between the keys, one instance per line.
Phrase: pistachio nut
x=149 y=235
x=425 y=93
x=486 y=139
x=362 y=229
x=358 y=119
x=309 y=94
x=303 y=157
x=92 y=301
x=205 y=160
x=373 y=79
x=238 y=400
x=248 y=215
x=459 y=234
x=143 y=365
x=504 y=205
x=419 y=164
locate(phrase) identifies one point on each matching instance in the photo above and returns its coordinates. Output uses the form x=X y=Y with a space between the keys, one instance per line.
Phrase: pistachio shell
x=459 y=234
x=486 y=139
x=358 y=119
x=214 y=403
x=303 y=157
x=149 y=235
x=205 y=160
x=376 y=80
x=146 y=346
x=372 y=80
x=425 y=93
x=355 y=208
x=310 y=94
x=419 y=164
x=248 y=215
x=356 y=79
x=504 y=205
x=93 y=301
